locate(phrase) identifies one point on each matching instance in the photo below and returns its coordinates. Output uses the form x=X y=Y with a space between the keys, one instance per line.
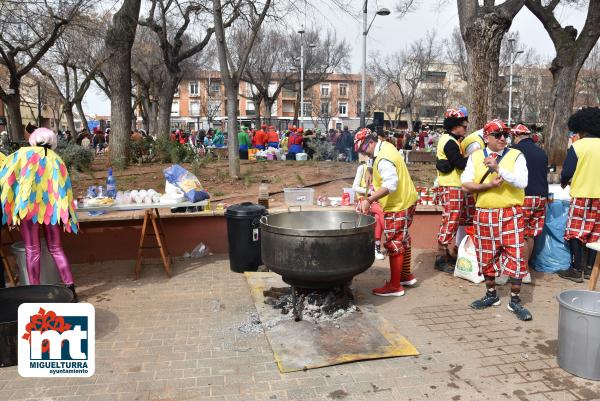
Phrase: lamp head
x=383 y=12
x=301 y=31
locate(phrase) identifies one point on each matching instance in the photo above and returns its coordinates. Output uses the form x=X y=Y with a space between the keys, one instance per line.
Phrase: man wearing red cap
x=450 y=164
x=272 y=138
x=498 y=176
x=295 y=143
x=395 y=192
x=260 y=138
x=536 y=193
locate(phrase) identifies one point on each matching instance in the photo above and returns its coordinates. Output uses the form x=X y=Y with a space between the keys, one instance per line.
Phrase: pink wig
x=43 y=136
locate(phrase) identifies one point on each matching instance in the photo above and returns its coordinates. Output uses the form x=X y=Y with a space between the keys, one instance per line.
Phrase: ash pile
x=317 y=306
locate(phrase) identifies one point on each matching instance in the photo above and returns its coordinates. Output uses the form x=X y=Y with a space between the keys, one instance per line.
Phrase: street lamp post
x=366 y=29
x=301 y=32
x=513 y=58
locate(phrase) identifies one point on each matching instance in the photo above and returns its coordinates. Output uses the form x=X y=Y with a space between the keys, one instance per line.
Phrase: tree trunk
x=409 y=119
x=152 y=119
x=232 y=146
x=165 y=104
x=15 y=126
x=482 y=40
x=297 y=109
x=268 y=109
x=561 y=107
x=83 y=118
x=68 y=110
x=119 y=40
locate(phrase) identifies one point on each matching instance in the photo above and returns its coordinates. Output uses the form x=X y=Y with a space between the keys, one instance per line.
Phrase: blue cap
x=464 y=110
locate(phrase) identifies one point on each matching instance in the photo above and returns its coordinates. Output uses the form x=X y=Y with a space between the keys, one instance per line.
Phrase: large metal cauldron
x=318 y=249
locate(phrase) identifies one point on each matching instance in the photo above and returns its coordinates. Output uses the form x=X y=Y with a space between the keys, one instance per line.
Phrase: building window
x=343 y=89
x=175 y=108
x=325 y=90
x=288 y=107
x=307 y=109
x=176 y=94
x=215 y=89
x=390 y=108
x=343 y=109
x=194 y=88
x=194 y=108
x=214 y=107
x=324 y=108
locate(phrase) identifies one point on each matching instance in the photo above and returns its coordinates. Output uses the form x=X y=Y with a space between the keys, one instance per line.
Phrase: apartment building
x=200 y=102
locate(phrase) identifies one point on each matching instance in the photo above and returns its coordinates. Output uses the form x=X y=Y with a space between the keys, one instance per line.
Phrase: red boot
x=392 y=288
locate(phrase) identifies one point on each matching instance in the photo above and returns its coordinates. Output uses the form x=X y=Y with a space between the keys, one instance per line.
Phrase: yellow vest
x=451 y=179
x=586 y=180
x=363 y=182
x=503 y=196
x=405 y=195
x=469 y=139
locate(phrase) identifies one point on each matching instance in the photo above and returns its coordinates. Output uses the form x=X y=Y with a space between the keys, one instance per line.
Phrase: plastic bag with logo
x=466 y=261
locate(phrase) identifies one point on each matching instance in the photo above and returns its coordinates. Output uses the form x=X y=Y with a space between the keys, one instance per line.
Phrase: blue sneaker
x=519 y=310
x=489 y=299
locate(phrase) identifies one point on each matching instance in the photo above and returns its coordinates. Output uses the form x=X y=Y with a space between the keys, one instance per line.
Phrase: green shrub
x=173 y=152
x=142 y=152
x=75 y=156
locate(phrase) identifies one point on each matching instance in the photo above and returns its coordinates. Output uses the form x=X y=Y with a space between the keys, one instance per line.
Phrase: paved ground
x=178 y=339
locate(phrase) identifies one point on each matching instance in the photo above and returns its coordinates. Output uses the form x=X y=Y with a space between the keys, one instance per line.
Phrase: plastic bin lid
x=246 y=209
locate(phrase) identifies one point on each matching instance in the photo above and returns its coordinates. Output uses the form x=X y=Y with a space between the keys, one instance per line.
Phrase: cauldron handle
x=290 y=207
x=347 y=222
x=263 y=220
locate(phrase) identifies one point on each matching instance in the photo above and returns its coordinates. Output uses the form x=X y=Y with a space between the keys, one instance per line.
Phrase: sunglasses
x=499 y=135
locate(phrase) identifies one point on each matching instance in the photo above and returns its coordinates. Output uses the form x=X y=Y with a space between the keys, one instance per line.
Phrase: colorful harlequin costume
x=36 y=191
x=396 y=193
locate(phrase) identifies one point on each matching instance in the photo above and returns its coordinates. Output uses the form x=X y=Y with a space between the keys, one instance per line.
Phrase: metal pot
x=318 y=249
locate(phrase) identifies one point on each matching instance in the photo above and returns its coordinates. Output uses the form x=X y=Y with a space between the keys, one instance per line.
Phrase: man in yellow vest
x=450 y=164
x=581 y=169
x=395 y=192
x=498 y=177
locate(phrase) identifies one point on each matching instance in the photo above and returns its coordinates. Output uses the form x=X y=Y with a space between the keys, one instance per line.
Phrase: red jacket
x=260 y=138
x=295 y=139
x=272 y=136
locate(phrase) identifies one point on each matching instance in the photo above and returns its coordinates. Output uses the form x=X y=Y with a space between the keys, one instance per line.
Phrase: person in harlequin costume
x=295 y=143
x=272 y=138
x=580 y=169
x=449 y=164
x=37 y=194
x=498 y=177
x=396 y=193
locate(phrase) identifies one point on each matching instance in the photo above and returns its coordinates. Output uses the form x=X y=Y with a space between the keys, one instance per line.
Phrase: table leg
x=595 y=275
x=138 y=264
x=162 y=241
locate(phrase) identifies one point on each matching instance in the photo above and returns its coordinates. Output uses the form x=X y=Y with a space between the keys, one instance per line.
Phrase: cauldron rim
x=39 y=286
x=305 y=232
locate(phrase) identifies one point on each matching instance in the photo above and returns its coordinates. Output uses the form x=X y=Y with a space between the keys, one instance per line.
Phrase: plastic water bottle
x=111 y=185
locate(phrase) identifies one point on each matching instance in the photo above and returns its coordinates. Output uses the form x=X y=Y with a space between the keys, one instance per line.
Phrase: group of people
x=498 y=192
x=290 y=141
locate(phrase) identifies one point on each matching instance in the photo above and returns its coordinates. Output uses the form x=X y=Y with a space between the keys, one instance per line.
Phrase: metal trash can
x=243 y=234
x=11 y=299
x=48 y=271
x=579 y=333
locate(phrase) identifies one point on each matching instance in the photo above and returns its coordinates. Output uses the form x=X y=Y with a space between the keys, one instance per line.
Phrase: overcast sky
x=390 y=34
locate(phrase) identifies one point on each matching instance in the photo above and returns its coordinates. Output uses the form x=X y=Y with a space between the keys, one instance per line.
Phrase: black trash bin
x=243 y=233
x=11 y=299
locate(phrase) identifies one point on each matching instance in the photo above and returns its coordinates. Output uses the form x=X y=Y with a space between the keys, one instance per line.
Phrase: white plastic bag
x=466 y=261
x=200 y=251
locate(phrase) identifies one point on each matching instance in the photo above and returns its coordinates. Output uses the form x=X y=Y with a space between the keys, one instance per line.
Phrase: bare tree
x=119 y=40
x=170 y=20
x=482 y=27
x=456 y=53
x=252 y=13
x=572 y=49
x=29 y=29
x=589 y=78
x=406 y=70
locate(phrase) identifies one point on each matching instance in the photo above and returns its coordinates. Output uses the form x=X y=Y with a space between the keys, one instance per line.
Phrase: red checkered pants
x=466 y=217
x=395 y=228
x=584 y=220
x=452 y=200
x=534 y=215
x=499 y=241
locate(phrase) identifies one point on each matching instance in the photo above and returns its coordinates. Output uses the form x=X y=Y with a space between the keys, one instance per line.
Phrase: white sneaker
x=378 y=254
x=527 y=278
